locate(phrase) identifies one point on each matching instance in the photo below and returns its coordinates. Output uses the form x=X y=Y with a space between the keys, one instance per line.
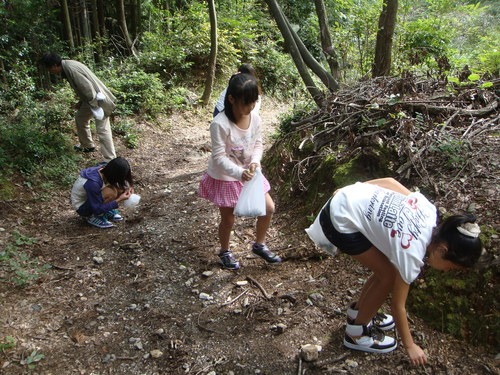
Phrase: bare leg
x=263 y=222
x=225 y=226
x=378 y=286
x=365 y=290
x=109 y=194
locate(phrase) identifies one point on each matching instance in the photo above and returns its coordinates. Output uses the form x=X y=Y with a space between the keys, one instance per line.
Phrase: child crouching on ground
x=98 y=190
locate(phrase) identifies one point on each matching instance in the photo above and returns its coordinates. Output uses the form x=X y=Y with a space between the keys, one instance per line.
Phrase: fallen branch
x=235 y=299
x=198 y=323
x=252 y=280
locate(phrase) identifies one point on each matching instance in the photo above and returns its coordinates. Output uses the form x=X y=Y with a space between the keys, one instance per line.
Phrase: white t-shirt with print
x=400 y=226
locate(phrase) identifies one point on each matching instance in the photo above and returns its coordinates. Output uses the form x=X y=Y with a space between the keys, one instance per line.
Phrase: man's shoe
x=263 y=251
x=382 y=321
x=368 y=339
x=99 y=221
x=83 y=149
x=228 y=260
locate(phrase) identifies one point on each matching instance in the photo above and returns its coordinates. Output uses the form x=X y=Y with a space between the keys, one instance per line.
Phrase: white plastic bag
x=252 y=199
x=315 y=233
x=98 y=112
x=132 y=201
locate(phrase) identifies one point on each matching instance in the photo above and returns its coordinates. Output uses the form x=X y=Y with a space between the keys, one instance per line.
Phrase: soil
x=149 y=296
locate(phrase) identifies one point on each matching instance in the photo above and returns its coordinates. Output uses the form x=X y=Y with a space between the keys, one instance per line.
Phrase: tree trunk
x=311 y=62
x=213 y=54
x=85 y=23
x=133 y=18
x=101 y=17
x=123 y=25
x=67 y=24
x=326 y=40
x=385 y=33
x=95 y=31
x=275 y=10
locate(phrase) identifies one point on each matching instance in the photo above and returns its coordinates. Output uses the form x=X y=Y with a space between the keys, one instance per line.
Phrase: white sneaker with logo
x=385 y=322
x=368 y=339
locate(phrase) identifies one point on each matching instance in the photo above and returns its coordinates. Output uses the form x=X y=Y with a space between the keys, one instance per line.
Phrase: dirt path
x=148 y=296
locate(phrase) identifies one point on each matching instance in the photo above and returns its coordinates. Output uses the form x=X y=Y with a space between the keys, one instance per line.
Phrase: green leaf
x=474 y=77
x=487 y=85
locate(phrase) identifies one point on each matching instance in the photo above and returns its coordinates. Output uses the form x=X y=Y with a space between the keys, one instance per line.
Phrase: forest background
x=159 y=57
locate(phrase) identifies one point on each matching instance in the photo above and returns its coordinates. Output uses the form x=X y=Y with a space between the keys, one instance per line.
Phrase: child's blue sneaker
x=99 y=221
x=228 y=260
x=263 y=251
x=114 y=215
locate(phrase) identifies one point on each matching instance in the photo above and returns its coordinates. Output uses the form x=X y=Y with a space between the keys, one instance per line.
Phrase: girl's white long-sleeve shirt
x=234 y=149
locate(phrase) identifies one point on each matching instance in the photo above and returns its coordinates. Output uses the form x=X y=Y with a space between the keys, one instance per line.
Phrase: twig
x=252 y=280
x=325 y=362
x=61 y=268
x=215 y=362
x=206 y=328
x=299 y=372
x=448 y=122
x=484 y=127
x=235 y=299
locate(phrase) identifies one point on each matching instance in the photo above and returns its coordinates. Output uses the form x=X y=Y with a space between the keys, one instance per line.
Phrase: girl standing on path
x=236 y=153
x=391 y=230
x=219 y=105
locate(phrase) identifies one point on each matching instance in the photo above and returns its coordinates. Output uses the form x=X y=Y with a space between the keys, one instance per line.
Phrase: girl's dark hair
x=117 y=173
x=462 y=249
x=247 y=69
x=242 y=87
x=50 y=59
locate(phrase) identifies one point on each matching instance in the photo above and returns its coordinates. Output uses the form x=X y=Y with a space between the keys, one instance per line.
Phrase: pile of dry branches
x=437 y=133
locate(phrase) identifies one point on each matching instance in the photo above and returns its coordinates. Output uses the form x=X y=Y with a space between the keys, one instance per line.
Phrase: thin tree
x=311 y=62
x=326 y=40
x=383 y=48
x=67 y=24
x=209 y=82
x=278 y=16
x=123 y=25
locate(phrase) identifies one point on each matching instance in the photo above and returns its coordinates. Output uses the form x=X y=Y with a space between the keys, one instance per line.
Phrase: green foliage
x=32 y=359
x=453 y=151
x=16 y=266
x=174 y=43
x=277 y=73
x=487 y=53
x=353 y=26
x=298 y=112
x=34 y=139
x=8 y=342
x=469 y=309
x=446 y=35
x=424 y=42
x=137 y=92
x=25 y=28
x=128 y=130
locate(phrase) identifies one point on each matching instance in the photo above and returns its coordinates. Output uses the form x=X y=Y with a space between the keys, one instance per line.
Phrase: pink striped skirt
x=223 y=193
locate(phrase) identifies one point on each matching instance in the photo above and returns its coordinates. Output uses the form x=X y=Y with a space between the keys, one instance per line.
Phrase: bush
x=137 y=92
x=35 y=135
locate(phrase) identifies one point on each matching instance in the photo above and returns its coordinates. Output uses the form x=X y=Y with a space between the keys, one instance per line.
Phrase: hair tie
x=469 y=229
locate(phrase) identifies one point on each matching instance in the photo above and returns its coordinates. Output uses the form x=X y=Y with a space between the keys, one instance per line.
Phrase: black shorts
x=348 y=243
